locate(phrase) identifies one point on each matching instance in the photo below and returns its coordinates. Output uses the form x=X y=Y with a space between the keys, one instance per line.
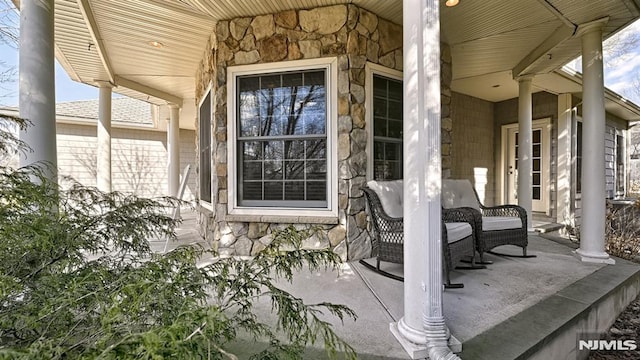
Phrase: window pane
x=387 y=125
x=273 y=150
x=380 y=107
x=536 y=136
x=316 y=170
x=252 y=170
x=270 y=81
x=294 y=191
x=316 y=149
x=252 y=150
x=273 y=190
x=294 y=149
x=317 y=190
x=288 y=105
x=536 y=193
x=393 y=151
x=395 y=110
x=536 y=164
x=395 y=129
x=395 y=90
x=536 y=178
x=252 y=190
x=273 y=170
x=294 y=170
x=204 y=142
x=292 y=80
x=379 y=127
x=536 y=150
x=379 y=86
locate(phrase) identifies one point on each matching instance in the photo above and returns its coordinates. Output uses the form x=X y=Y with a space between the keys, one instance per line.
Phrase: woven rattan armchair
x=387 y=238
x=494 y=225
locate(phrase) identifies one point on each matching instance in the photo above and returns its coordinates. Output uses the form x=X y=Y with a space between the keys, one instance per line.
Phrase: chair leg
x=448 y=284
x=474 y=264
x=482 y=260
x=524 y=254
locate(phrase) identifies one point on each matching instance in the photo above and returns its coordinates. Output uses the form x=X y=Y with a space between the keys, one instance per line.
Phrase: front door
x=539 y=166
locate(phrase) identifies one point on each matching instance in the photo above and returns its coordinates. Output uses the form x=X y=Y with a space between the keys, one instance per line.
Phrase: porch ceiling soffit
x=229 y=9
x=537 y=37
x=110 y=40
x=565 y=44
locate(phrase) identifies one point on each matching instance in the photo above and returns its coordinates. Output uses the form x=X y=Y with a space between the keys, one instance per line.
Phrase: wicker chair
x=387 y=238
x=495 y=226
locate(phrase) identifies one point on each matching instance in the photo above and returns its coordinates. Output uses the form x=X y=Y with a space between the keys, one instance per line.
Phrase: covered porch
x=206 y=46
x=514 y=309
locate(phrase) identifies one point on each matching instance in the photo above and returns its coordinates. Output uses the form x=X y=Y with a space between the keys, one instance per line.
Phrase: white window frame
x=207 y=92
x=372 y=69
x=329 y=64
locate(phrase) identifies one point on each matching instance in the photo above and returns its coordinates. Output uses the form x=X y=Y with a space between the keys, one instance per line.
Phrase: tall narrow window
x=204 y=142
x=387 y=128
x=282 y=139
x=579 y=158
x=620 y=155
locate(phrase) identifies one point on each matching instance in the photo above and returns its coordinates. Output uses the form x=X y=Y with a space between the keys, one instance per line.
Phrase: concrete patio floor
x=514 y=309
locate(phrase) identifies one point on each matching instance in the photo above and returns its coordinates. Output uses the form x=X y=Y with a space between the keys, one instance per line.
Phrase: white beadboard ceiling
x=109 y=40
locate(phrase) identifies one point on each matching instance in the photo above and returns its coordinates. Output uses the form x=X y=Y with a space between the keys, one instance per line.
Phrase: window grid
x=205 y=148
x=293 y=120
x=387 y=132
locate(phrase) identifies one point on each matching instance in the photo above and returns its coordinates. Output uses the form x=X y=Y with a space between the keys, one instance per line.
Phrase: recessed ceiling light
x=156 y=44
x=451 y=3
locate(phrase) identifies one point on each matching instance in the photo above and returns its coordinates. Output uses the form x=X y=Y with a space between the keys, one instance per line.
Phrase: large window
x=282 y=139
x=385 y=100
x=204 y=142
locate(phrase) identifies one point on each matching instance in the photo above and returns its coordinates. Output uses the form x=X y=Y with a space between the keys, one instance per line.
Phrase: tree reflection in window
x=282 y=138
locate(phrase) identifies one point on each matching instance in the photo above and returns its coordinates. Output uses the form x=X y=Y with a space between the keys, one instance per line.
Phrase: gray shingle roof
x=123 y=110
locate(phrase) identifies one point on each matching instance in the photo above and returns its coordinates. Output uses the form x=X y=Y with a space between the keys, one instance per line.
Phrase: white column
x=173 y=150
x=525 y=133
x=592 y=228
x=103 y=152
x=37 y=99
x=564 y=165
x=422 y=330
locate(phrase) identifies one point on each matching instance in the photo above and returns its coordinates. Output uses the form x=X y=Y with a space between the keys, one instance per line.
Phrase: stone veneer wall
x=353 y=35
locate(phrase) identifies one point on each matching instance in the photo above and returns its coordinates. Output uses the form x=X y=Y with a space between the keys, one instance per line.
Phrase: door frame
x=545 y=125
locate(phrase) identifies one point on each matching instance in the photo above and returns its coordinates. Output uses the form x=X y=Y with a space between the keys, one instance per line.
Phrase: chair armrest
x=505 y=210
x=381 y=220
x=458 y=215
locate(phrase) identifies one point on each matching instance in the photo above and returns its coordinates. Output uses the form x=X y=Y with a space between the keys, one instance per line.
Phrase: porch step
x=547 y=228
x=549 y=329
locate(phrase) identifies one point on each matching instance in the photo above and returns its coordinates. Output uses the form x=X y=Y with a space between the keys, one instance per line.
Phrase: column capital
x=595 y=25
x=524 y=78
x=173 y=106
x=104 y=83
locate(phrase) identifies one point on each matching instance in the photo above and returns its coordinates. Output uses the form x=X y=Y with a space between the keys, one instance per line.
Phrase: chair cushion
x=458 y=193
x=491 y=223
x=457 y=231
x=391 y=196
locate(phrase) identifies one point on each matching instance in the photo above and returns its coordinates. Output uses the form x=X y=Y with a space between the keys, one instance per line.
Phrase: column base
x=419 y=351
x=594 y=257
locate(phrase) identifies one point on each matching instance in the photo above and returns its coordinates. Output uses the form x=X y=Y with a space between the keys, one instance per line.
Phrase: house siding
x=354 y=37
x=472 y=141
x=138 y=158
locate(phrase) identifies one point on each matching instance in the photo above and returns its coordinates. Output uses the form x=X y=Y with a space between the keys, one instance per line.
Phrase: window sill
x=328 y=220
